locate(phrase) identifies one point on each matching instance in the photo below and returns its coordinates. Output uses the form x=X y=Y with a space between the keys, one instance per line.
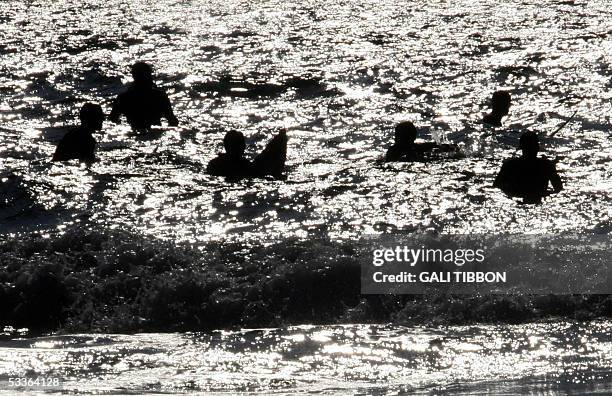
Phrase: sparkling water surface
x=338 y=75
x=547 y=358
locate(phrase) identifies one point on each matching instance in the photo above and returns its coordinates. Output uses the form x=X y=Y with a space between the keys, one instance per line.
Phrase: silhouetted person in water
x=79 y=143
x=528 y=176
x=500 y=103
x=233 y=165
x=405 y=149
x=143 y=104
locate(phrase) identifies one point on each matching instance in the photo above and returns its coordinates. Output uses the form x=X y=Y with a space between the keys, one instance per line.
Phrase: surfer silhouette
x=528 y=176
x=500 y=106
x=233 y=165
x=143 y=104
x=405 y=149
x=79 y=142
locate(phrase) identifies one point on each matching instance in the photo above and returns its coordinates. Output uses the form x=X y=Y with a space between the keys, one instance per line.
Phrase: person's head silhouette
x=500 y=103
x=91 y=116
x=529 y=144
x=234 y=144
x=142 y=73
x=405 y=133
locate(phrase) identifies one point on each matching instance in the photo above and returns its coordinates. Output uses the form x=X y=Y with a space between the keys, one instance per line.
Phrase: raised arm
x=167 y=111
x=555 y=180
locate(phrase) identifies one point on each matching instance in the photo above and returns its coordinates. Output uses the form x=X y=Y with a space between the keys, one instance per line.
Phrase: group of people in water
x=144 y=105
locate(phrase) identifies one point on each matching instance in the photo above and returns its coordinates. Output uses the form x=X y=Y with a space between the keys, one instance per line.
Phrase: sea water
x=542 y=358
x=337 y=75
